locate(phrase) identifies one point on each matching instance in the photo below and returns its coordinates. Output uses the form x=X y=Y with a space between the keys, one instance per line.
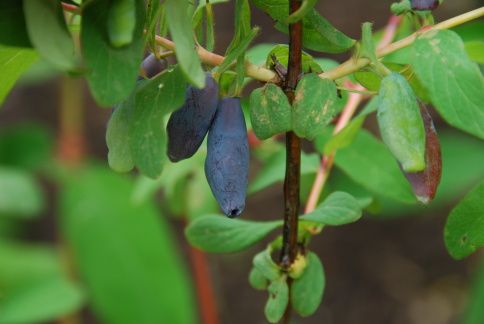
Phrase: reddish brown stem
x=203 y=283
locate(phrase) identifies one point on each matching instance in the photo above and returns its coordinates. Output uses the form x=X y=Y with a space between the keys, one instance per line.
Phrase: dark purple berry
x=151 y=66
x=227 y=162
x=188 y=125
x=425 y=4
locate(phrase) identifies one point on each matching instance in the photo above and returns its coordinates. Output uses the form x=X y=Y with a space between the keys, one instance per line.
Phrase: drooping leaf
x=278 y=299
x=20 y=195
x=180 y=28
x=313 y=106
x=307 y=291
x=111 y=71
x=218 y=234
x=13 y=31
x=425 y=183
x=123 y=250
x=454 y=83
x=464 y=230
x=270 y=111
x=339 y=208
x=153 y=100
x=13 y=62
x=49 y=34
x=368 y=162
x=400 y=123
x=41 y=301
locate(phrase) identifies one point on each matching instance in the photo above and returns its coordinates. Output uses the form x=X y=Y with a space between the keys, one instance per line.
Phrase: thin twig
x=262 y=74
x=349 y=110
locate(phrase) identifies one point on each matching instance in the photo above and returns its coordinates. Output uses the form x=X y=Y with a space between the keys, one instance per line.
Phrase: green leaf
x=27 y=146
x=237 y=50
x=218 y=234
x=475 y=51
x=120 y=158
x=274 y=168
x=313 y=106
x=345 y=136
x=181 y=31
x=454 y=83
x=13 y=31
x=21 y=263
x=339 y=208
x=307 y=290
x=277 y=301
x=299 y=14
x=13 y=62
x=154 y=99
x=464 y=230
x=49 y=34
x=257 y=279
x=474 y=313
x=20 y=195
x=265 y=265
x=400 y=122
x=369 y=163
x=111 y=71
x=124 y=250
x=258 y=53
x=41 y=301
x=318 y=33
x=270 y=111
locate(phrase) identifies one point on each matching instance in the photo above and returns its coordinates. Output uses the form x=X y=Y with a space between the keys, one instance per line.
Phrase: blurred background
x=81 y=244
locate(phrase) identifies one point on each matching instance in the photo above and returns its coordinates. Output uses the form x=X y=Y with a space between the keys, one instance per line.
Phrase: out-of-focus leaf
x=258 y=53
x=266 y=266
x=27 y=146
x=111 y=71
x=13 y=62
x=464 y=230
x=344 y=137
x=307 y=291
x=475 y=50
x=218 y=234
x=20 y=195
x=49 y=34
x=40 y=301
x=281 y=53
x=257 y=279
x=475 y=312
x=339 y=208
x=13 y=31
x=299 y=14
x=123 y=250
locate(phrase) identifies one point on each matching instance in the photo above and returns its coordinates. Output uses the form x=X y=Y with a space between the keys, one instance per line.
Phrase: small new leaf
x=277 y=301
x=265 y=265
x=307 y=291
x=224 y=235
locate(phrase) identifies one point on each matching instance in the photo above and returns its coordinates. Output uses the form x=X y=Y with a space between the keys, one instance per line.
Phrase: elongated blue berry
x=188 y=125
x=227 y=162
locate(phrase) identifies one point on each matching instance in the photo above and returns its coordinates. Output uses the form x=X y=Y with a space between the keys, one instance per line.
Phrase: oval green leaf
x=338 y=208
x=307 y=291
x=270 y=111
x=277 y=301
x=219 y=234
